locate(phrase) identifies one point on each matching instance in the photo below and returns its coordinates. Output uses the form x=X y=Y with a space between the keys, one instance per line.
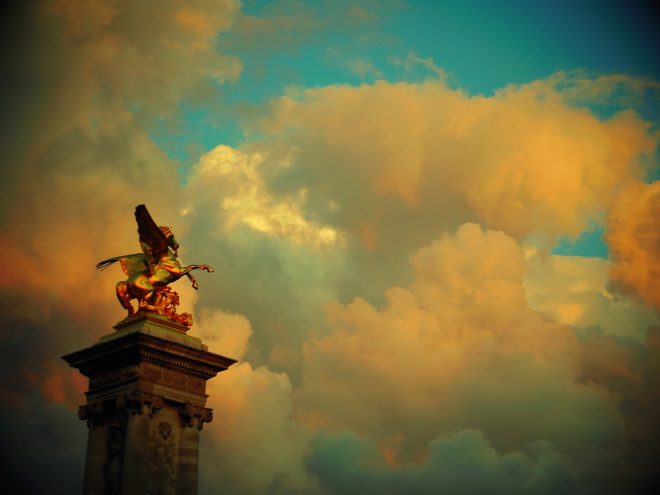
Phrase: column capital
x=195 y=416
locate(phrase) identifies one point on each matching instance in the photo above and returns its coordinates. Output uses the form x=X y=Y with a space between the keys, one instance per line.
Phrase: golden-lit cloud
x=248 y=201
x=154 y=62
x=633 y=235
x=578 y=87
x=458 y=348
x=253 y=427
x=224 y=332
x=522 y=161
x=478 y=340
x=574 y=290
x=89 y=77
x=89 y=159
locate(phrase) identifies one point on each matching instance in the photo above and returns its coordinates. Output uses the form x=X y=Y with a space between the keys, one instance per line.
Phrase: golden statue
x=150 y=272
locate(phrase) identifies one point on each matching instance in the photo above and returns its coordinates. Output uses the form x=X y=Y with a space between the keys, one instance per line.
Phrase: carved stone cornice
x=107 y=358
x=165 y=357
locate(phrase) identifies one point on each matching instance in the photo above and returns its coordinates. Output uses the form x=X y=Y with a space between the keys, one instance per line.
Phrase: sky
x=435 y=228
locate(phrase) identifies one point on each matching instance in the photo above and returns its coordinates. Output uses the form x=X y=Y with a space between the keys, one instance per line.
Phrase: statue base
x=145 y=407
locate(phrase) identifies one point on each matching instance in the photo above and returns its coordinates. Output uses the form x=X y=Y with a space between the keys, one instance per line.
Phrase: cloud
x=633 y=236
x=360 y=66
x=81 y=83
x=246 y=199
x=152 y=63
x=412 y=61
x=252 y=445
x=287 y=25
x=225 y=332
x=458 y=349
x=86 y=159
x=521 y=161
x=579 y=87
x=460 y=463
x=46 y=437
x=573 y=290
x=629 y=369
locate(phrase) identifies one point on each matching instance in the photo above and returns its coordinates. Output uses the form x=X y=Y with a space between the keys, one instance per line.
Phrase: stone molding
x=99 y=413
x=114 y=359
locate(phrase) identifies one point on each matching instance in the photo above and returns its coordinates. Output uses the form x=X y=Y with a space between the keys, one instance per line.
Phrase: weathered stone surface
x=145 y=407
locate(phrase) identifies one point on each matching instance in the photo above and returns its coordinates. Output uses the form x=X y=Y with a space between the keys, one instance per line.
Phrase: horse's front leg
x=193 y=280
x=185 y=270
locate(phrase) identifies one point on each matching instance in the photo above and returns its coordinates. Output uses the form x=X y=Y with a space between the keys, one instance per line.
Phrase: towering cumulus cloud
x=634 y=238
x=385 y=271
x=457 y=350
x=489 y=356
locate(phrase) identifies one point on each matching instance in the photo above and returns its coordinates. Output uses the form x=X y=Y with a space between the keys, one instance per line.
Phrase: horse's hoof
x=210 y=269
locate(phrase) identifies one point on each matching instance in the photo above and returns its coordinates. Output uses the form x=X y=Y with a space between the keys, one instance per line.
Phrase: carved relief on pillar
x=162 y=459
x=195 y=416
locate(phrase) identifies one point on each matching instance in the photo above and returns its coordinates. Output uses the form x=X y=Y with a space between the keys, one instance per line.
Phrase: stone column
x=145 y=407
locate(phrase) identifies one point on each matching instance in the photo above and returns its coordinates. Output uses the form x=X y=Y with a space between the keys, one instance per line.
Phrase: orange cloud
x=522 y=161
x=573 y=290
x=253 y=427
x=247 y=200
x=633 y=235
x=81 y=158
x=457 y=348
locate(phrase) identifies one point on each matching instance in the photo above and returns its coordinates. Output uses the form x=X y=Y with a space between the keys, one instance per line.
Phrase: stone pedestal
x=145 y=407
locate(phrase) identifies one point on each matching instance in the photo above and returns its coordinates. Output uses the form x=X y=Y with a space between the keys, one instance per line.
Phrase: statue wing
x=130 y=263
x=152 y=239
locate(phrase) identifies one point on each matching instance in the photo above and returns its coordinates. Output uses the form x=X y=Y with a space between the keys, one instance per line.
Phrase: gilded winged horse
x=150 y=272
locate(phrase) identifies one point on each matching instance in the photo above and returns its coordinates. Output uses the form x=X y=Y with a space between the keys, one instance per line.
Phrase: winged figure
x=151 y=271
